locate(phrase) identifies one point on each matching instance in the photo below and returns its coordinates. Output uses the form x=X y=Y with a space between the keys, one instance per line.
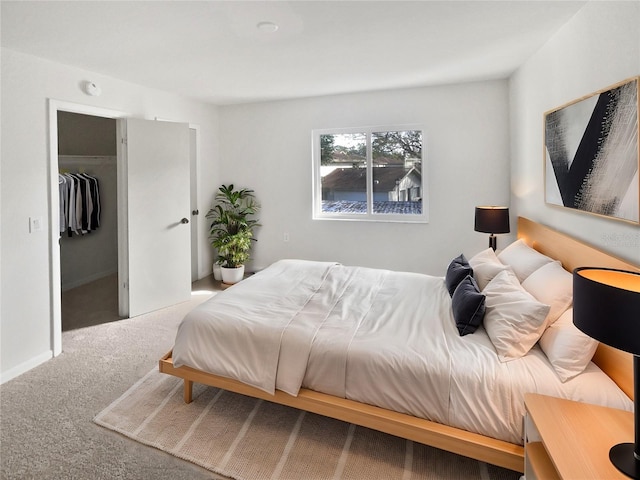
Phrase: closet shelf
x=86 y=160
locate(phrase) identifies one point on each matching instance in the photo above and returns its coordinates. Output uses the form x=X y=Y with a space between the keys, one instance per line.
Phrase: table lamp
x=606 y=306
x=491 y=219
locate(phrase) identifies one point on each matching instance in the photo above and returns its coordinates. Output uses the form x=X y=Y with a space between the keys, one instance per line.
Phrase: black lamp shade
x=606 y=306
x=492 y=220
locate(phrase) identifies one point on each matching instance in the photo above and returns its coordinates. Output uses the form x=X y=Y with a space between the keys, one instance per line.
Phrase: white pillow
x=485 y=266
x=523 y=259
x=552 y=285
x=513 y=319
x=567 y=348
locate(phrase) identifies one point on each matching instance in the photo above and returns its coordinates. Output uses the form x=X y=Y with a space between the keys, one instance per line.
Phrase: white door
x=154 y=235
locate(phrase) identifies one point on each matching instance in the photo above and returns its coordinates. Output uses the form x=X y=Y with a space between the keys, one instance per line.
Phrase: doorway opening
x=88 y=193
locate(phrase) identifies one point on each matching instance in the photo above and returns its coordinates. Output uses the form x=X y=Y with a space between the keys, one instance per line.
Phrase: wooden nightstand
x=571 y=440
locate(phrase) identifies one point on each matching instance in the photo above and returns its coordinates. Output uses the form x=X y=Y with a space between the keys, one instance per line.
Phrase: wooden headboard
x=574 y=253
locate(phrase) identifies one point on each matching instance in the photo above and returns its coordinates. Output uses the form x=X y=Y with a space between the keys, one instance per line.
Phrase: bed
x=293 y=370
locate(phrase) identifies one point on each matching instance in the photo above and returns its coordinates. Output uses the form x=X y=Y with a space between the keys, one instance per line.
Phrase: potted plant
x=217 y=271
x=231 y=232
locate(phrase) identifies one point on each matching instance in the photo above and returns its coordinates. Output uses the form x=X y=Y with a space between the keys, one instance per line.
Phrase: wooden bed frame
x=617 y=364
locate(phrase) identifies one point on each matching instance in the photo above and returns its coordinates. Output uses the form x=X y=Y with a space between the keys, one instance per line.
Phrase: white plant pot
x=232 y=275
x=217 y=274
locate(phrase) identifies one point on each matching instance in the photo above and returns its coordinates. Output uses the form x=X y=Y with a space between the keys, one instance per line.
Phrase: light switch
x=35 y=224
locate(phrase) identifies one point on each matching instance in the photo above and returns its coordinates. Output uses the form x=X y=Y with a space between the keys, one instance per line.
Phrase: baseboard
x=87 y=279
x=25 y=366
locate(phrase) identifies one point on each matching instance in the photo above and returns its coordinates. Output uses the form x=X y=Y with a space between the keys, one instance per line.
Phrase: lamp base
x=492 y=242
x=622 y=456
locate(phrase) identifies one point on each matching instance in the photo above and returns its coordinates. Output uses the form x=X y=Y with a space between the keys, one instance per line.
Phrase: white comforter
x=376 y=336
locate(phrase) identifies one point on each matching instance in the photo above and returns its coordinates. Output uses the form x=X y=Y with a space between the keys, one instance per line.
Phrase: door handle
x=195 y=212
x=184 y=220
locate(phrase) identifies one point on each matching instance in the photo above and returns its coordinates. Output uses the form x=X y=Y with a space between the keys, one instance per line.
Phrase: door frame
x=54 y=211
x=195 y=219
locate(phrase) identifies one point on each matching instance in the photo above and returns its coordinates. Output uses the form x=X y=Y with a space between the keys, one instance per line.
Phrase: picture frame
x=592 y=153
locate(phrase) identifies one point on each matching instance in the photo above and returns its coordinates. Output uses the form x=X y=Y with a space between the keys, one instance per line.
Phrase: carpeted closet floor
x=90 y=304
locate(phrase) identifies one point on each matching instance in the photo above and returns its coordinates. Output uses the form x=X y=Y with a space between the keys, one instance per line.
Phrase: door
x=154 y=235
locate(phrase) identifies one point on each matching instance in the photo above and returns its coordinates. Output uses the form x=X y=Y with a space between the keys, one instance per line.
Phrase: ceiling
x=214 y=52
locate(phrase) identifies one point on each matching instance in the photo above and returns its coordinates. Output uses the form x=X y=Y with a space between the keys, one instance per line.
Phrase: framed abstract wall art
x=592 y=153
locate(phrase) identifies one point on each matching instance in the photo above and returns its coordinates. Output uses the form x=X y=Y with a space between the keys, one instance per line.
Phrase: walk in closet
x=87 y=167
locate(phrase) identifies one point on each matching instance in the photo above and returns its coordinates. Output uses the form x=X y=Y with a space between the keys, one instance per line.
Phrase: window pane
x=343 y=169
x=397 y=172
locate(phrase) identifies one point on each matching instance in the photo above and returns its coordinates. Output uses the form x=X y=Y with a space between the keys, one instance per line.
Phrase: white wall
x=267 y=147
x=27 y=83
x=598 y=47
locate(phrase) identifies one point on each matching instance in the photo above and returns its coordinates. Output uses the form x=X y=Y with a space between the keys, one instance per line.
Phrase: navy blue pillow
x=457 y=270
x=468 y=306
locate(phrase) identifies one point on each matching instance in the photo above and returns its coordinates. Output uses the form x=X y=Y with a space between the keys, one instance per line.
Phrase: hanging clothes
x=95 y=198
x=79 y=203
x=63 y=192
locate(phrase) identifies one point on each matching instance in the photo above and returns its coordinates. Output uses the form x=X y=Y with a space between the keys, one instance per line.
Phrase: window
x=373 y=173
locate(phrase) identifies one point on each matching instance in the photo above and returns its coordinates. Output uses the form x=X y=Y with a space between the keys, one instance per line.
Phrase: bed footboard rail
x=451 y=439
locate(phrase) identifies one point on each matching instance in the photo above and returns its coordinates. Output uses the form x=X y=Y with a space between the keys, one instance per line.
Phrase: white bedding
x=376 y=336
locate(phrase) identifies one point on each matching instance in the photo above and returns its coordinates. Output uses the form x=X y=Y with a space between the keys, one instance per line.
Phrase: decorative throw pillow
x=514 y=319
x=468 y=306
x=568 y=349
x=523 y=259
x=486 y=265
x=552 y=285
x=457 y=270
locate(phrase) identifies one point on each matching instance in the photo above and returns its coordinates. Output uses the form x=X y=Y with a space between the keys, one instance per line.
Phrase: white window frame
x=369 y=216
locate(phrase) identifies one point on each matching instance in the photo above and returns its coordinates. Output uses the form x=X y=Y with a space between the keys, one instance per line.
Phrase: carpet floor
x=249 y=439
x=46 y=427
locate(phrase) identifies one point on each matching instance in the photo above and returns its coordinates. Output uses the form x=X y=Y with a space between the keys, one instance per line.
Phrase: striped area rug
x=244 y=438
